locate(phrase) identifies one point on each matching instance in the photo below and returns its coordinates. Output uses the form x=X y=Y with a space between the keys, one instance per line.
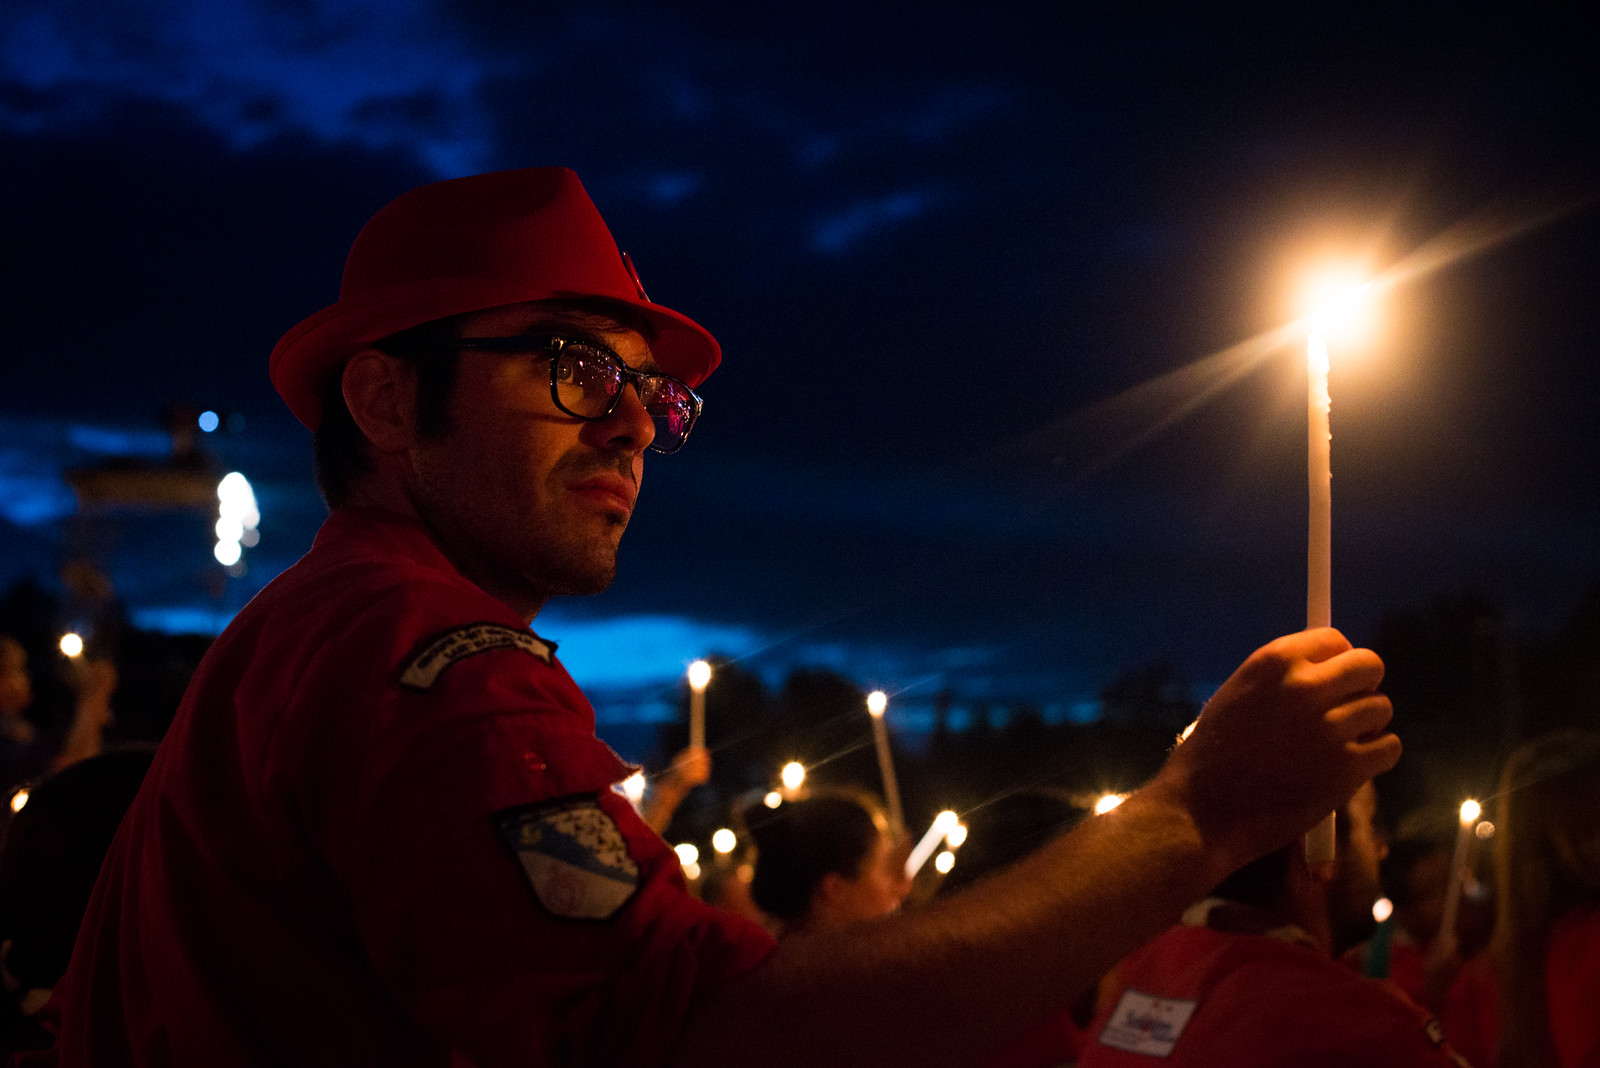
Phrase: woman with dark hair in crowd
x=1546 y=946
x=825 y=861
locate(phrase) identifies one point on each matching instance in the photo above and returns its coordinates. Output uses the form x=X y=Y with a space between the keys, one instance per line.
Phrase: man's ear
x=381 y=393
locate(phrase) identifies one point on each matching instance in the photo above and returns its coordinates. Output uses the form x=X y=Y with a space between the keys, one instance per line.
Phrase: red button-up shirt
x=381 y=830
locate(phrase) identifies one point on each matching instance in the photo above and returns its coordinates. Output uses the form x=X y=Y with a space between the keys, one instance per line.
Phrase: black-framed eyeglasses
x=586 y=380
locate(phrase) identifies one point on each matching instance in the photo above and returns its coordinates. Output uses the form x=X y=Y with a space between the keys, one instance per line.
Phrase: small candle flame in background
x=1107 y=802
x=633 y=787
x=793 y=775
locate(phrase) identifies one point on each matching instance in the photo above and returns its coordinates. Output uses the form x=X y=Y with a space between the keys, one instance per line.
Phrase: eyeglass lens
x=587 y=380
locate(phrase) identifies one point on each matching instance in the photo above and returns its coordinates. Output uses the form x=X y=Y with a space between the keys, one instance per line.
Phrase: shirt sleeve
x=509 y=900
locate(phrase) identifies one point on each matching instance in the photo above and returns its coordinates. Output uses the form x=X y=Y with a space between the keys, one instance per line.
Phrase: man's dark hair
x=341 y=448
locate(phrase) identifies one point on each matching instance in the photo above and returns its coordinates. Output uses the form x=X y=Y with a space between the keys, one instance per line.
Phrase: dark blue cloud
x=920 y=234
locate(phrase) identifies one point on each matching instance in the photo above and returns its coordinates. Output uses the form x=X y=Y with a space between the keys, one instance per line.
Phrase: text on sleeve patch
x=1145 y=1024
x=424 y=669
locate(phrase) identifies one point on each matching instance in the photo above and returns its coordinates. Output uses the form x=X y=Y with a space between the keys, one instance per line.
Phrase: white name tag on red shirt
x=1143 y=1023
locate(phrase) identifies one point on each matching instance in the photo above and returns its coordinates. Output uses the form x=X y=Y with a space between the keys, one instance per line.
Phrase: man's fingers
x=1375 y=756
x=1362 y=717
x=1313 y=645
x=1346 y=674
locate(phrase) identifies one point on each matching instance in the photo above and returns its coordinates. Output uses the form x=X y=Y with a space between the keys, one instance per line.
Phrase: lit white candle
x=1319 y=543
x=1339 y=303
x=877 y=705
x=1470 y=810
x=940 y=828
x=699 y=676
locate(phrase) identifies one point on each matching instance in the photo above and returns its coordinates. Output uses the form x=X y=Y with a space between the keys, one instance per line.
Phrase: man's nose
x=629 y=425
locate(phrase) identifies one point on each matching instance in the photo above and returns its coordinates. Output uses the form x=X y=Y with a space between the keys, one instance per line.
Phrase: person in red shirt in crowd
x=381 y=829
x=1533 y=998
x=1415 y=875
x=1247 y=978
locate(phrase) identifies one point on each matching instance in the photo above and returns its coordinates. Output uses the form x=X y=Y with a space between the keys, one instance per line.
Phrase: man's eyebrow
x=564 y=325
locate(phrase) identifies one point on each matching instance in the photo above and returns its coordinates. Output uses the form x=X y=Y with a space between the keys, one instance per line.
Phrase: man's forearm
x=1288 y=738
x=997 y=958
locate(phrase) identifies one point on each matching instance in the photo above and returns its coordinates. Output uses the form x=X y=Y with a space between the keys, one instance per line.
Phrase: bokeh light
x=1108 y=802
x=699 y=675
x=794 y=774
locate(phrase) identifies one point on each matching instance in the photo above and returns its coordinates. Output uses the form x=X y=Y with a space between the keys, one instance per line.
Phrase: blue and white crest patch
x=574 y=856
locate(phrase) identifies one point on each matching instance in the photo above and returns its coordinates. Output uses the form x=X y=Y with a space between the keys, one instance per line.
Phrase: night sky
x=964 y=261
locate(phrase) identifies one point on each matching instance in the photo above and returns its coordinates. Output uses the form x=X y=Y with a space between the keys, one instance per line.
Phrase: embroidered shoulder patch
x=424 y=669
x=1145 y=1024
x=573 y=855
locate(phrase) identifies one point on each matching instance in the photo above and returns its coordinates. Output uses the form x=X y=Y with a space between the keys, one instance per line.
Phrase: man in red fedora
x=381 y=829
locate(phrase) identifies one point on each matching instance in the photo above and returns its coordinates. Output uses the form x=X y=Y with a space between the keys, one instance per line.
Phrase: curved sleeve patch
x=424 y=668
x=573 y=855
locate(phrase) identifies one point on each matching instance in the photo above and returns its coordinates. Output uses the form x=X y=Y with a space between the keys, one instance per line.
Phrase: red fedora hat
x=469 y=244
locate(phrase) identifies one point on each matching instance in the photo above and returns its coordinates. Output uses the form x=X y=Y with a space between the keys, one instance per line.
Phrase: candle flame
x=1382 y=909
x=944 y=862
x=955 y=836
x=877 y=702
x=794 y=773
x=773 y=799
x=687 y=853
x=1470 y=811
x=1108 y=802
x=633 y=787
x=72 y=645
x=1339 y=301
x=19 y=800
x=699 y=675
x=724 y=840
